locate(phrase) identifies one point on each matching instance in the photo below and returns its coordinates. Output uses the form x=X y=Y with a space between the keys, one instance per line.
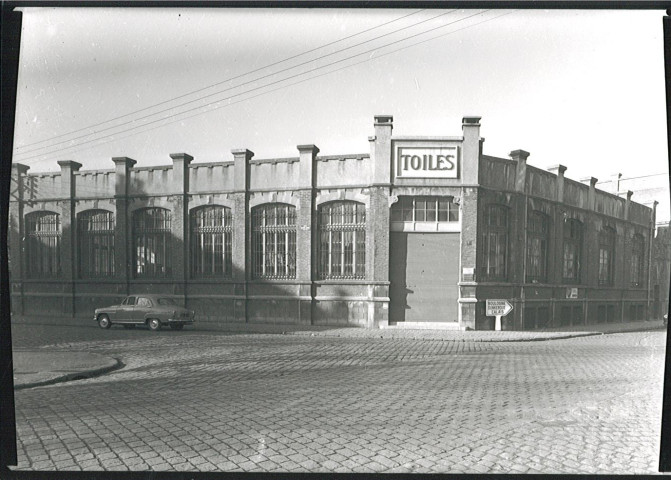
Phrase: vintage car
x=153 y=311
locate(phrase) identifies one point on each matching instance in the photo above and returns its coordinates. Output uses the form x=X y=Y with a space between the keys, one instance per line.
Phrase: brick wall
x=309 y=181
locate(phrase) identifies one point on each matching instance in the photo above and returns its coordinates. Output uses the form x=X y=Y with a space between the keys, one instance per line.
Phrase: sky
x=584 y=89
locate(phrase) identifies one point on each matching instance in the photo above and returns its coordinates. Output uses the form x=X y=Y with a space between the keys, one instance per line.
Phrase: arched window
x=606 y=256
x=342 y=240
x=152 y=243
x=495 y=243
x=572 y=250
x=637 y=260
x=43 y=244
x=95 y=230
x=274 y=241
x=538 y=234
x=211 y=230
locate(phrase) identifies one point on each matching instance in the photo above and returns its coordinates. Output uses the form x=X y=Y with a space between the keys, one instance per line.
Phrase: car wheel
x=177 y=326
x=129 y=326
x=154 y=324
x=104 y=321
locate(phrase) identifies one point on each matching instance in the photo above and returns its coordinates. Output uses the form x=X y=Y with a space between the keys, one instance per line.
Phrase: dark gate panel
x=424 y=271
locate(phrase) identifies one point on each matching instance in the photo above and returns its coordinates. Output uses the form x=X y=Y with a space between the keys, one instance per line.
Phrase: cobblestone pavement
x=189 y=401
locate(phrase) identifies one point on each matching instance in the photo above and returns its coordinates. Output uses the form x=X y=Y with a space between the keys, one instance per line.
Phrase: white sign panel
x=498 y=308
x=427 y=162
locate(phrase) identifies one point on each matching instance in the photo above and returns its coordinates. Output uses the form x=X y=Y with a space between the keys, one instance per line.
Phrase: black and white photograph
x=338 y=240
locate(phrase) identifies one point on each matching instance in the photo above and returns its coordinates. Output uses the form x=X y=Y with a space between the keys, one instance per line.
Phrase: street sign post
x=498 y=308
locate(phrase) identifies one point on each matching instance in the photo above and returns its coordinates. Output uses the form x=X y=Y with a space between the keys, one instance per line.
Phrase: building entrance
x=424 y=271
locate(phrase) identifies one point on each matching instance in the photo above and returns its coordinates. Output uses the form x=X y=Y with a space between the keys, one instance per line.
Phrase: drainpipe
x=653 y=220
x=520 y=156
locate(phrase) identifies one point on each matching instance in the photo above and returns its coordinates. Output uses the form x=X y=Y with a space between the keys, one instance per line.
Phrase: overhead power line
x=222 y=82
x=622 y=179
x=173 y=121
x=231 y=88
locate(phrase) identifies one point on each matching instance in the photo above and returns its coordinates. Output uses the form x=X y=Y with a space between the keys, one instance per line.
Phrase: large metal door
x=424 y=271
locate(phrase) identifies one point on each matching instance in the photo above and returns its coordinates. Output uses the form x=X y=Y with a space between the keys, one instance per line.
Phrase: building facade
x=419 y=230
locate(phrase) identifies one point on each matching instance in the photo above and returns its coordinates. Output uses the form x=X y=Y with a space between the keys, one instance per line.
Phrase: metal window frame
x=43 y=261
x=267 y=236
x=637 y=260
x=575 y=239
x=96 y=227
x=150 y=231
x=606 y=245
x=344 y=217
x=538 y=232
x=495 y=226
x=408 y=203
x=205 y=234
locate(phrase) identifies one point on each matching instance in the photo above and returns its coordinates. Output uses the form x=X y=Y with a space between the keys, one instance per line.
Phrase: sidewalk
x=34 y=367
x=480 y=335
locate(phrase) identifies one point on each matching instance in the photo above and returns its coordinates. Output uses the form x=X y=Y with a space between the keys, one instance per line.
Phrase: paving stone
x=355 y=404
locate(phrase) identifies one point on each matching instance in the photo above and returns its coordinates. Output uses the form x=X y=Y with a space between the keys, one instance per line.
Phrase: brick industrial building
x=421 y=229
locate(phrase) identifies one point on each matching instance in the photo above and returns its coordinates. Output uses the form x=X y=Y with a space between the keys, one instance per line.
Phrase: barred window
x=43 y=249
x=211 y=231
x=572 y=250
x=538 y=234
x=495 y=243
x=424 y=209
x=342 y=240
x=274 y=241
x=637 y=260
x=152 y=243
x=95 y=229
x=606 y=256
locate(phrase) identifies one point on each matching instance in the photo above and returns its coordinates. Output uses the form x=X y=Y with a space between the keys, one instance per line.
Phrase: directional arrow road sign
x=498 y=307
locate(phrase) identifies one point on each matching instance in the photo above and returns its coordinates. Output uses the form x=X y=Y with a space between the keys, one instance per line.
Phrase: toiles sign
x=427 y=162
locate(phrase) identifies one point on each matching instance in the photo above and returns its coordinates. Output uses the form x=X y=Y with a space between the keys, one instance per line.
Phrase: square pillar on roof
x=559 y=170
x=472 y=146
x=591 y=196
x=68 y=169
x=381 y=149
x=67 y=248
x=123 y=232
x=306 y=232
x=180 y=219
x=520 y=156
x=241 y=241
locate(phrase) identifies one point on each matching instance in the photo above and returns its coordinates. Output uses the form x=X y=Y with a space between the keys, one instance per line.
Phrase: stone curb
x=438 y=338
x=79 y=375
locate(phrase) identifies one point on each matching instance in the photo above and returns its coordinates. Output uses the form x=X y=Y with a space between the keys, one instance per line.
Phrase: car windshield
x=166 y=301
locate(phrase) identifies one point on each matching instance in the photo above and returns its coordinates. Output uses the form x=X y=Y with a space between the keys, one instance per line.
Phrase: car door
x=125 y=311
x=142 y=307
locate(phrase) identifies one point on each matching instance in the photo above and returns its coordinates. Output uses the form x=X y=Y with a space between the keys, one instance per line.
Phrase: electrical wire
x=249 y=90
x=225 y=81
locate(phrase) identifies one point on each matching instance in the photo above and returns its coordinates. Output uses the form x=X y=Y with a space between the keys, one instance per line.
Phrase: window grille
x=274 y=241
x=537 y=247
x=495 y=243
x=152 y=243
x=211 y=231
x=424 y=209
x=637 y=260
x=342 y=241
x=95 y=229
x=43 y=249
x=572 y=251
x=606 y=256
